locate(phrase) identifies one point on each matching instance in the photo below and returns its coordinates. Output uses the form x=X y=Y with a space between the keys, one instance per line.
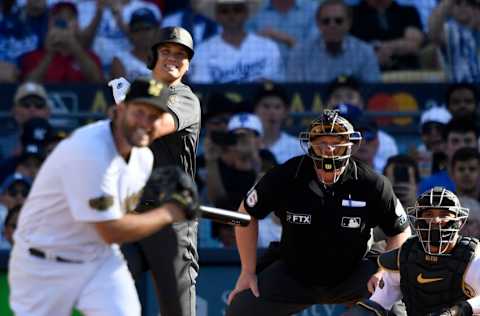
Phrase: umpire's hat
x=171 y=34
x=149 y=91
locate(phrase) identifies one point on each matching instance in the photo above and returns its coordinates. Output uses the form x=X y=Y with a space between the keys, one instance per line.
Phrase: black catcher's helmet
x=442 y=234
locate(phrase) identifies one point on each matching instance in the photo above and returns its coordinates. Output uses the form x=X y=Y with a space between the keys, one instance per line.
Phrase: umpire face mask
x=330 y=147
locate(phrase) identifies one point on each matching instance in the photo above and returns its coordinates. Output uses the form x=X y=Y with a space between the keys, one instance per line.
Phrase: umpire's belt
x=41 y=254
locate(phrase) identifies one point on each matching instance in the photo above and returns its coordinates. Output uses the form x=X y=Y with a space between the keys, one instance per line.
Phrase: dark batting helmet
x=176 y=35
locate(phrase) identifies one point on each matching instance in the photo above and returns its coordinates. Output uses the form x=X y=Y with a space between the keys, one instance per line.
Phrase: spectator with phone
x=430 y=153
x=241 y=161
x=63 y=59
x=402 y=171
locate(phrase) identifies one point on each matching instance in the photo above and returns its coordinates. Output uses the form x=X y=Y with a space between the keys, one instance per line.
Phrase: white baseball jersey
x=83 y=181
x=216 y=61
x=391 y=293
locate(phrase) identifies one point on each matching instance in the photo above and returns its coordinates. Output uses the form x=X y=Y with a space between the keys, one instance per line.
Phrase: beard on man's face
x=135 y=136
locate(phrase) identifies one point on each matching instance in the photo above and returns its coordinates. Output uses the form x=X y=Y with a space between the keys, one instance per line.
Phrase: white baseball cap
x=247 y=121
x=436 y=114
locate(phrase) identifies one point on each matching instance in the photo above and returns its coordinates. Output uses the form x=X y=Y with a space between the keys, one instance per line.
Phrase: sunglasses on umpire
x=332 y=20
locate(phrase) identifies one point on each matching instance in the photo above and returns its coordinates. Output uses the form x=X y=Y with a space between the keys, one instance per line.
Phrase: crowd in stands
x=244 y=41
x=270 y=42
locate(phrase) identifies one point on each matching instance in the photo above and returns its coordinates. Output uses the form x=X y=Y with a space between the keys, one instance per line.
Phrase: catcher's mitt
x=170 y=184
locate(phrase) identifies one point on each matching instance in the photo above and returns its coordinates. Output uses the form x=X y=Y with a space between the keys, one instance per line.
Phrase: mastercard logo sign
x=397 y=102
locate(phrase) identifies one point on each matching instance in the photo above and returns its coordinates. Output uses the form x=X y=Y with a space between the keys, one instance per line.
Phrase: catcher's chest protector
x=430 y=283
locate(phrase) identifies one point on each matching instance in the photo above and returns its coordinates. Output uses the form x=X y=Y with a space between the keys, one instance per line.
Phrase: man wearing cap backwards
x=175 y=268
x=328 y=204
x=66 y=251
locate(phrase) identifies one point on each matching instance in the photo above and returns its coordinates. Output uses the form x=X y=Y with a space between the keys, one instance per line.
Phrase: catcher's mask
x=437 y=218
x=329 y=142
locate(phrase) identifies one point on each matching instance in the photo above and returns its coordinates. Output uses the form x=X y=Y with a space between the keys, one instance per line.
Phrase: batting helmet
x=437 y=235
x=176 y=35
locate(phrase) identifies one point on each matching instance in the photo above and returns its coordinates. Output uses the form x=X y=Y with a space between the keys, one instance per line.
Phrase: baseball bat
x=225 y=216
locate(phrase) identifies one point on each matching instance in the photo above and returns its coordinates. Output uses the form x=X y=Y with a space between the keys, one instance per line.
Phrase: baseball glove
x=170 y=184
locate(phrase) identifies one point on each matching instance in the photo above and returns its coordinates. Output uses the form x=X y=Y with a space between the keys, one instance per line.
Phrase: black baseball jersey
x=326 y=230
x=180 y=147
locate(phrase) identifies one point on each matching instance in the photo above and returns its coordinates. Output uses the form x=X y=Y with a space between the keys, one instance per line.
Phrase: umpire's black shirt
x=326 y=231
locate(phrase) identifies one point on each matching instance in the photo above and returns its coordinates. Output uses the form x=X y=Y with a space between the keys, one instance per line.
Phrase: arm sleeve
x=390 y=292
x=90 y=191
x=264 y=196
x=392 y=217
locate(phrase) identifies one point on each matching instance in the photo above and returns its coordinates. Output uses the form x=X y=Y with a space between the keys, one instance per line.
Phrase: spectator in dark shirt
x=63 y=59
x=394 y=30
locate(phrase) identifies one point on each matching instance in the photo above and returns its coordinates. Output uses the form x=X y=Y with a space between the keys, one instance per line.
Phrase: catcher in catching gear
x=437 y=272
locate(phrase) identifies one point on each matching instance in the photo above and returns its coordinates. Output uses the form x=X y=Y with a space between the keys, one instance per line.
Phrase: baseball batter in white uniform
x=66 y=250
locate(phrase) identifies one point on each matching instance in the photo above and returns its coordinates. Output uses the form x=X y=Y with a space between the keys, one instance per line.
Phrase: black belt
x=41 y=254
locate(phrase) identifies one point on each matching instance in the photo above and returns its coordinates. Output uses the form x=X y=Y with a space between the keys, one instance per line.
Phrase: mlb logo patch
x=351 y=222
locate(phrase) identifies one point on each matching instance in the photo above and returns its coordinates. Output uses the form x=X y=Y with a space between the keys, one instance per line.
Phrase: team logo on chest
x=351 y=222
x=302 y=219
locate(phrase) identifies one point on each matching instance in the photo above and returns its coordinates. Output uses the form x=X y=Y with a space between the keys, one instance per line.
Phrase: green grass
x=4 y=306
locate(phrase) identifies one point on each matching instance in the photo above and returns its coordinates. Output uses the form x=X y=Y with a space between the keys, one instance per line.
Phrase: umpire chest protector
x=430 y=283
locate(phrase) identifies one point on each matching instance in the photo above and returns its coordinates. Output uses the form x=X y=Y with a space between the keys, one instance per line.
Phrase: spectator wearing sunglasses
x=333 y=52
x=30 y=101
x=394 y=30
